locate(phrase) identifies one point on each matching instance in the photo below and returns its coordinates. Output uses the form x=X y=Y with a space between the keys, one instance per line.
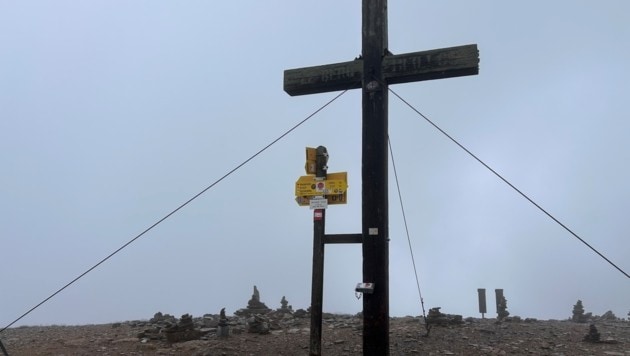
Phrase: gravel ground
x=407 y=337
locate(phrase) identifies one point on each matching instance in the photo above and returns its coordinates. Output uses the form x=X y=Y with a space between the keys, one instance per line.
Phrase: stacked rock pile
x=254 y=306
x=255 y=318
x=578 y=313
x=435 y=317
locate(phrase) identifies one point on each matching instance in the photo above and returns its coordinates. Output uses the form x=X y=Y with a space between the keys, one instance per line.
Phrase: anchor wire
x=176 y=209
x=510 y=184
x=404 y=216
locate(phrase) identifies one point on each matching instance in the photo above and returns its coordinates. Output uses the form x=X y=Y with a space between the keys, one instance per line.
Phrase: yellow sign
x=311 y=154
x=311 y=160
x=332 y=199
x=310 y=167
x=335 y=183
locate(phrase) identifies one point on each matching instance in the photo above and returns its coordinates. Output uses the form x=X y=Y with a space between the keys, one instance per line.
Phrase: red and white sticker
x=318 y=214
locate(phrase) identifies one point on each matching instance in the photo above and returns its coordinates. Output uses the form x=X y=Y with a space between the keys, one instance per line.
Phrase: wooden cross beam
x=397 y=69
x=373 y=72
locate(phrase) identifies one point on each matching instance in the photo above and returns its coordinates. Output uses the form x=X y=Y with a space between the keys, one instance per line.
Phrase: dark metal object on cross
x=373 y=72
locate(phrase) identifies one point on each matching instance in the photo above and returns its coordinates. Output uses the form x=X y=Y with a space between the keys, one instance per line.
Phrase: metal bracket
x=365 y=288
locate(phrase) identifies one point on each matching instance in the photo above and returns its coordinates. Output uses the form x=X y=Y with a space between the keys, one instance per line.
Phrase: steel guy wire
x=509 y=184
x=177 y=209
x=404 y=216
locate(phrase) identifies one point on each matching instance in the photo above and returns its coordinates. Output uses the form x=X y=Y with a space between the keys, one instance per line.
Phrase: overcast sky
x=113 y=113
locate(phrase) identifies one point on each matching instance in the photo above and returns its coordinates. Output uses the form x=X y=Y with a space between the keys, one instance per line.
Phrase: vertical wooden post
x=375 y=219
x=317 y=290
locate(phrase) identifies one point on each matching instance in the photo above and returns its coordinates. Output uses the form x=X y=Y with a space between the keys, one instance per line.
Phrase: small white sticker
x=373 y=231
x=318 y=203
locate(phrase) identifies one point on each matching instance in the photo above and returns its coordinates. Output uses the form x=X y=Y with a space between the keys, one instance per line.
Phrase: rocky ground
x=289 y=335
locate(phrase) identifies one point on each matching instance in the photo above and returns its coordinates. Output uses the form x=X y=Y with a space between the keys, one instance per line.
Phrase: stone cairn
x=254 y=306
x=163 y=319
x=436 y=317
x=284 y=306
x=258 y=324
x=169 y=328
x=223 y=328
x=609 y=316
x=593 y=335
x=158 y=323
x=502 y=311
x=578 y=313
x=184 y=330
x=255 y=313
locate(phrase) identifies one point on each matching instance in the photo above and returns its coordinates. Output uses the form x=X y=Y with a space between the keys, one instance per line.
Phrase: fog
x=114 y=113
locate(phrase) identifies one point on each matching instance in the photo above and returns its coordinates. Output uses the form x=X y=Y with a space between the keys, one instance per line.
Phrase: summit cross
x=373 y=71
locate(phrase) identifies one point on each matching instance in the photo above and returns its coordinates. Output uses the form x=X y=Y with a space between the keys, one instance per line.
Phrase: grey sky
x=112 y=113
